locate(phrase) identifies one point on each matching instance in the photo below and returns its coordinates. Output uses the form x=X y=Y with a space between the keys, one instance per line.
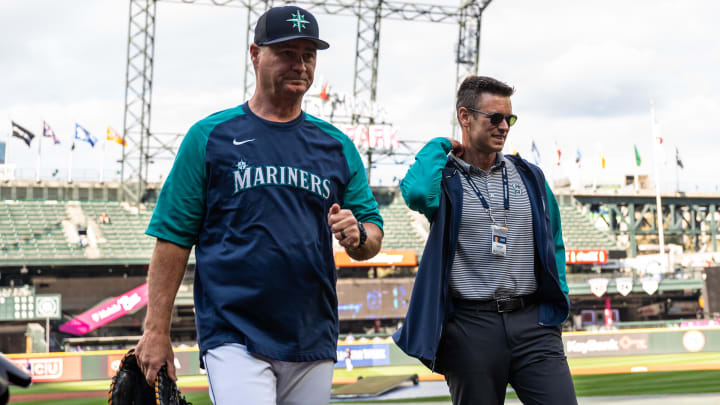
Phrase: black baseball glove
x=129 y=386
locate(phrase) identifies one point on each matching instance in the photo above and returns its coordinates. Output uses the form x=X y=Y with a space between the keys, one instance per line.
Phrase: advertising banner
x=113 y=364
x=606 y=344
x=186 y=363
x=107 y=312
x=46 y=369
x=385 y=258
x=364 y=355
x=586 y=256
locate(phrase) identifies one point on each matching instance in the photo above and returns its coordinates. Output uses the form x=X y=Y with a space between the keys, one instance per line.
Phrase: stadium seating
x=580 y=233
x=31 y=229
x=403 y=229
x=34 y=230
x=125 y=235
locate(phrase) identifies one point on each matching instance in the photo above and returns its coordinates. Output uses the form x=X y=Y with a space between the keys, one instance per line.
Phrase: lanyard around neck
x=506 y=193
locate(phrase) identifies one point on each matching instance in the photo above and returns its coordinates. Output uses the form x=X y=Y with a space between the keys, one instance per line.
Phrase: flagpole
x=69 y=176
x=7 y=144
x=658 y=202
x=72 y=150
x=677 y=172
x=102 y=158
x=637 y=173
x=37 y=163
x=638 y=162
x=595 y=172
x=7 y=150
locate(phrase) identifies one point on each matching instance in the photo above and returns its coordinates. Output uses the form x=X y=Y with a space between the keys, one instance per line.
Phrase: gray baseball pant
x=238 y=377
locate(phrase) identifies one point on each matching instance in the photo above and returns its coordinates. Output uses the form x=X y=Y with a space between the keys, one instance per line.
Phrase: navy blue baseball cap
x=280 y=24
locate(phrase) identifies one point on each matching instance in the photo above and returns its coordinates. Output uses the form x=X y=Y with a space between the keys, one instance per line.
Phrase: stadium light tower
x=143 y=145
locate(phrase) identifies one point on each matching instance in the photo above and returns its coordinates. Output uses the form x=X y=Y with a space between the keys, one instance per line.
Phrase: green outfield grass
x=78 y=401
x=94 y=385
x=671 y=382
x=197 y=398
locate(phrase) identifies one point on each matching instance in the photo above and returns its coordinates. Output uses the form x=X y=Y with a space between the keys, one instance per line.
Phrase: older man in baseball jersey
x=260 y=190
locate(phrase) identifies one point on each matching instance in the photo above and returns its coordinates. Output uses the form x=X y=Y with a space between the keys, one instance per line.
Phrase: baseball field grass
x=600 y=376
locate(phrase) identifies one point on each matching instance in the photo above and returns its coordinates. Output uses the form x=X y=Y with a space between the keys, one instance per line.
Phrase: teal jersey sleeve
x=556 y=225
x=358 y=196
x=421 y=186
x=180 y=207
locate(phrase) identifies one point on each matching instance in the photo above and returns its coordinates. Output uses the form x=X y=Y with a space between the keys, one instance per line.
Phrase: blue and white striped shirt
x=476 y=273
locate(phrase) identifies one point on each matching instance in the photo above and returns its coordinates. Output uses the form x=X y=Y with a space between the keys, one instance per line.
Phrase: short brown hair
x=474 y=86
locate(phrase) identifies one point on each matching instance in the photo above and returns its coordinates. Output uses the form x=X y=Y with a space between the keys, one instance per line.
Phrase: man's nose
x=300 y=64
x=504 y=125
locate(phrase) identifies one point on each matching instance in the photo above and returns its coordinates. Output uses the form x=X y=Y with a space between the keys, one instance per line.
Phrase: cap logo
x=298 y=20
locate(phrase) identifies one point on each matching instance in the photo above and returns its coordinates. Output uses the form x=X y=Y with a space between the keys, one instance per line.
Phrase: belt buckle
x=505 y=304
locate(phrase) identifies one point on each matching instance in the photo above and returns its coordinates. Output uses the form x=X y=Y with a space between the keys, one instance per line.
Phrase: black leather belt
x=498 y=305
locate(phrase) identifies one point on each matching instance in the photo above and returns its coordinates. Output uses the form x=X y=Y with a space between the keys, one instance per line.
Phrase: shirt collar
x=468 y=168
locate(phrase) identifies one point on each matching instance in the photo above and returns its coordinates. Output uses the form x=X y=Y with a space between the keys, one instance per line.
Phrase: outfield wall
x=641 y=341
x=76 y=366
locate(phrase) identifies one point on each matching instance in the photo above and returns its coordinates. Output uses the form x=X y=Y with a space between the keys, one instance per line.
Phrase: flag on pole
x=602 y=160
x=83 y=134
x=536 y=153
x=112 y=135
x=48 y=132
x=678 y=161
x=324 y=95
x=513 y=149
x=559 y=153
x=638 y=160
x=578 y=157
x=22 y=133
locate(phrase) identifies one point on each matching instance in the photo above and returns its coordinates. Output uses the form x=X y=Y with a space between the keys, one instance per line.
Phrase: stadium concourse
x=79 y=241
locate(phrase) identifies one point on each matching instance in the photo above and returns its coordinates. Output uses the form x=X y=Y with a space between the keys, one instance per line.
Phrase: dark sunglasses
x=496 y=118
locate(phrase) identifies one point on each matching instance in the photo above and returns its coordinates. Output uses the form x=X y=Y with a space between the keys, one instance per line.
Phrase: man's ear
x=254 y=53
x=463 y=115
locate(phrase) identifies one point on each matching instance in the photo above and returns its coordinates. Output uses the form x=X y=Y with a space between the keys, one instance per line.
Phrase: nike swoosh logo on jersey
x=242 y=142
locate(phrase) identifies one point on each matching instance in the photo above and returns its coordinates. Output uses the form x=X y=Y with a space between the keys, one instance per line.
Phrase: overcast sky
x=584 y=74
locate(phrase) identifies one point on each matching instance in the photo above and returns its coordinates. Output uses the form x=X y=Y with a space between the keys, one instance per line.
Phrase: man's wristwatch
x=363 y=235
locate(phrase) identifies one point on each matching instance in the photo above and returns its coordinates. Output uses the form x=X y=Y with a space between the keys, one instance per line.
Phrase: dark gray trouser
x=481 y=352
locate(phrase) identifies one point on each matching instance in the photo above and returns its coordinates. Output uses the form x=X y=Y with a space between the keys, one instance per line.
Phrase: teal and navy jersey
x=253 y=197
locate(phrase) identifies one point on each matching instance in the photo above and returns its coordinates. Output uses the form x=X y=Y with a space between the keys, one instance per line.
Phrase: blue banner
x=364 y=355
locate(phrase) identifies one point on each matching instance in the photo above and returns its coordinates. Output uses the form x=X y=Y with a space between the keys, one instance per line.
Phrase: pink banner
x=107 y=312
